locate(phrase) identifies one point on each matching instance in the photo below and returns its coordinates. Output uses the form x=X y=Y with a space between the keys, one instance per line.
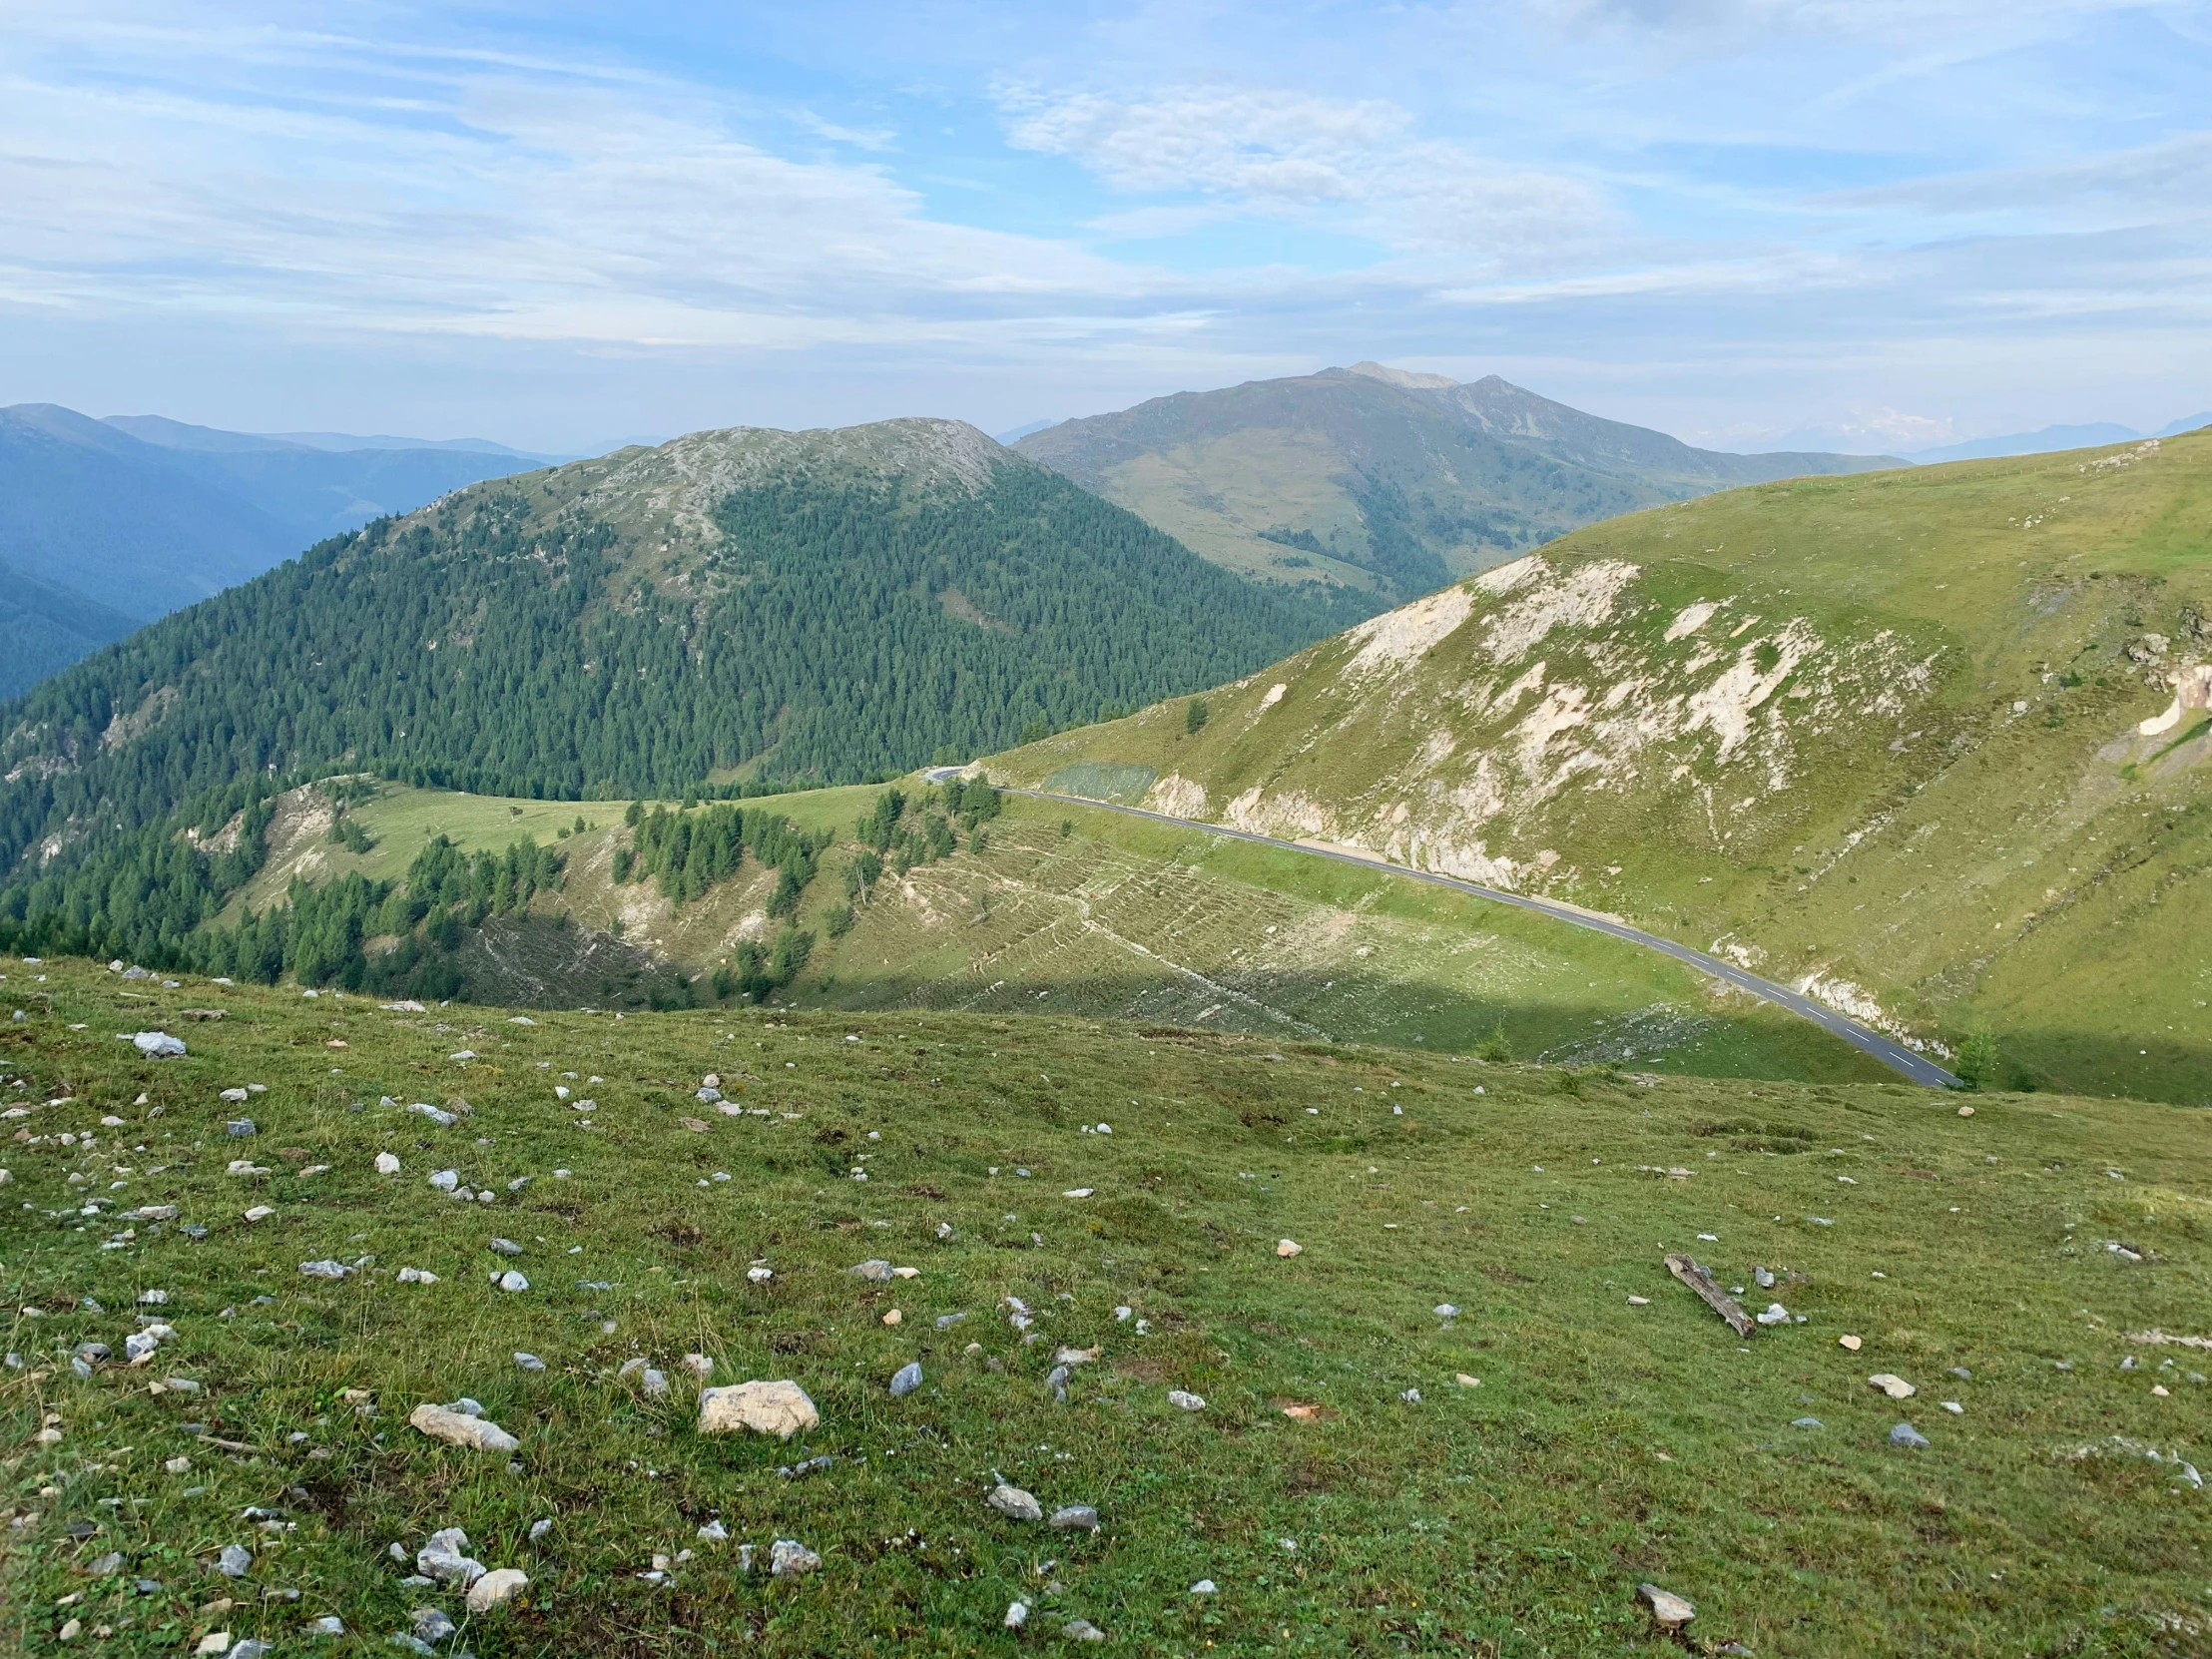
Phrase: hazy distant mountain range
x=110 y=523
x=2054 y=437
x=1374 y=485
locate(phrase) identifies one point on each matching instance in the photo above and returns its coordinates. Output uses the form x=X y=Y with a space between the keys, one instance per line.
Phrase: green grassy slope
x=1875 y=734
x=1078 y=911
x=1593 y=1445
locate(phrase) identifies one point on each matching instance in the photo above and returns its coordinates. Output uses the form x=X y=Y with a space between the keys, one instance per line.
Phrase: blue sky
x=1858 y=222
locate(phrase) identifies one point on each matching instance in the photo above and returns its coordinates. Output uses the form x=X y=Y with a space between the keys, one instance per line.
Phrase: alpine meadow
x=1496 y=944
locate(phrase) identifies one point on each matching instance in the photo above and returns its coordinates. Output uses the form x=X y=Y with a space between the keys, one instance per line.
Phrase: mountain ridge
x=1380 y=483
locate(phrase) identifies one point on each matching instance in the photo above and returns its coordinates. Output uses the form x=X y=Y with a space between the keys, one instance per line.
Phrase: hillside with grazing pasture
x=1370 y=485
x=729 y=607
x=1464 y=1408
x=1930 y=745
x=993 y=906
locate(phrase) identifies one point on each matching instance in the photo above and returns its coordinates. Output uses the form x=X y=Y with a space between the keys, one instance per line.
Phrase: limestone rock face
x=778 y=1409
x=477 y=1434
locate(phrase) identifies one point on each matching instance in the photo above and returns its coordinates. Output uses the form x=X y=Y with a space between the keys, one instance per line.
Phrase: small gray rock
x=787 y=1558
x=1014 y=1504
x=325 y=1269
x=102 y=1566
x=1906 y=1434
x=1082 y=1630
x=328 y=1625
x=1963 y=1373
x=1075 y=1518
x=1057 y=1381
x=1017 y=1615
x=1184 y=1401
x=906 y=1380
x=410 y=1644
x=506 y=1246
x=235 y=1561
x=539 y=1529
x=240 y=1128
x=1445 y=1310
x=432 y=1624
x=251 y=1648
x=528 y=1362
x=875 y=1272
x=1412 y=1396
x=1807 y=1422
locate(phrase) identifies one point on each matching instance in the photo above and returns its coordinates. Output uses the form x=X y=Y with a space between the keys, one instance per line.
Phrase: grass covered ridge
x=1871 y=735
x=1606 y=1442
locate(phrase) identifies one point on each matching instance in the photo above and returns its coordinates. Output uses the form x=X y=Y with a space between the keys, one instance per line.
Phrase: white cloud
x=488 y=199
x=1354 y=165
x=2167 y=182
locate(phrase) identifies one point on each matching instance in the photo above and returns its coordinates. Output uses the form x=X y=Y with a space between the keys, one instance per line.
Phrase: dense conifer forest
x=514 y=641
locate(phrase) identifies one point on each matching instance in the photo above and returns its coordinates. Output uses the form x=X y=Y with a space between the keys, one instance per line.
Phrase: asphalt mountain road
x=1888 y=1050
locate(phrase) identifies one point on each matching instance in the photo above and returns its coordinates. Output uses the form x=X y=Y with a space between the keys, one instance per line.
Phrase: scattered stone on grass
x=781 y=1409
x=906 y=1379
x=496 y=1588
x=1906 y=1434
x=1669 y=1611
x=1017 y=1615
x=1893 y=1386
x=787 y=1558
x=462 y=1428
x=528 y=1362
x=1849 y=1344
x=1014 y=1504
x=1075 y=1518
x=325 y=1269
x=1289 y=1247
x=234 y=1562
x=1183 y=1399
x=446 y=1560
x=1082 y=1630
x=432 y=1624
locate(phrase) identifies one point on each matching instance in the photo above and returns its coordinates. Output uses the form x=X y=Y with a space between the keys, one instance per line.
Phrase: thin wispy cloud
x=1711 y=215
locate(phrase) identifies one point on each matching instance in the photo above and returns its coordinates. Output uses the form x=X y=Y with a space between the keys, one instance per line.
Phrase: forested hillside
x=734 y=606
